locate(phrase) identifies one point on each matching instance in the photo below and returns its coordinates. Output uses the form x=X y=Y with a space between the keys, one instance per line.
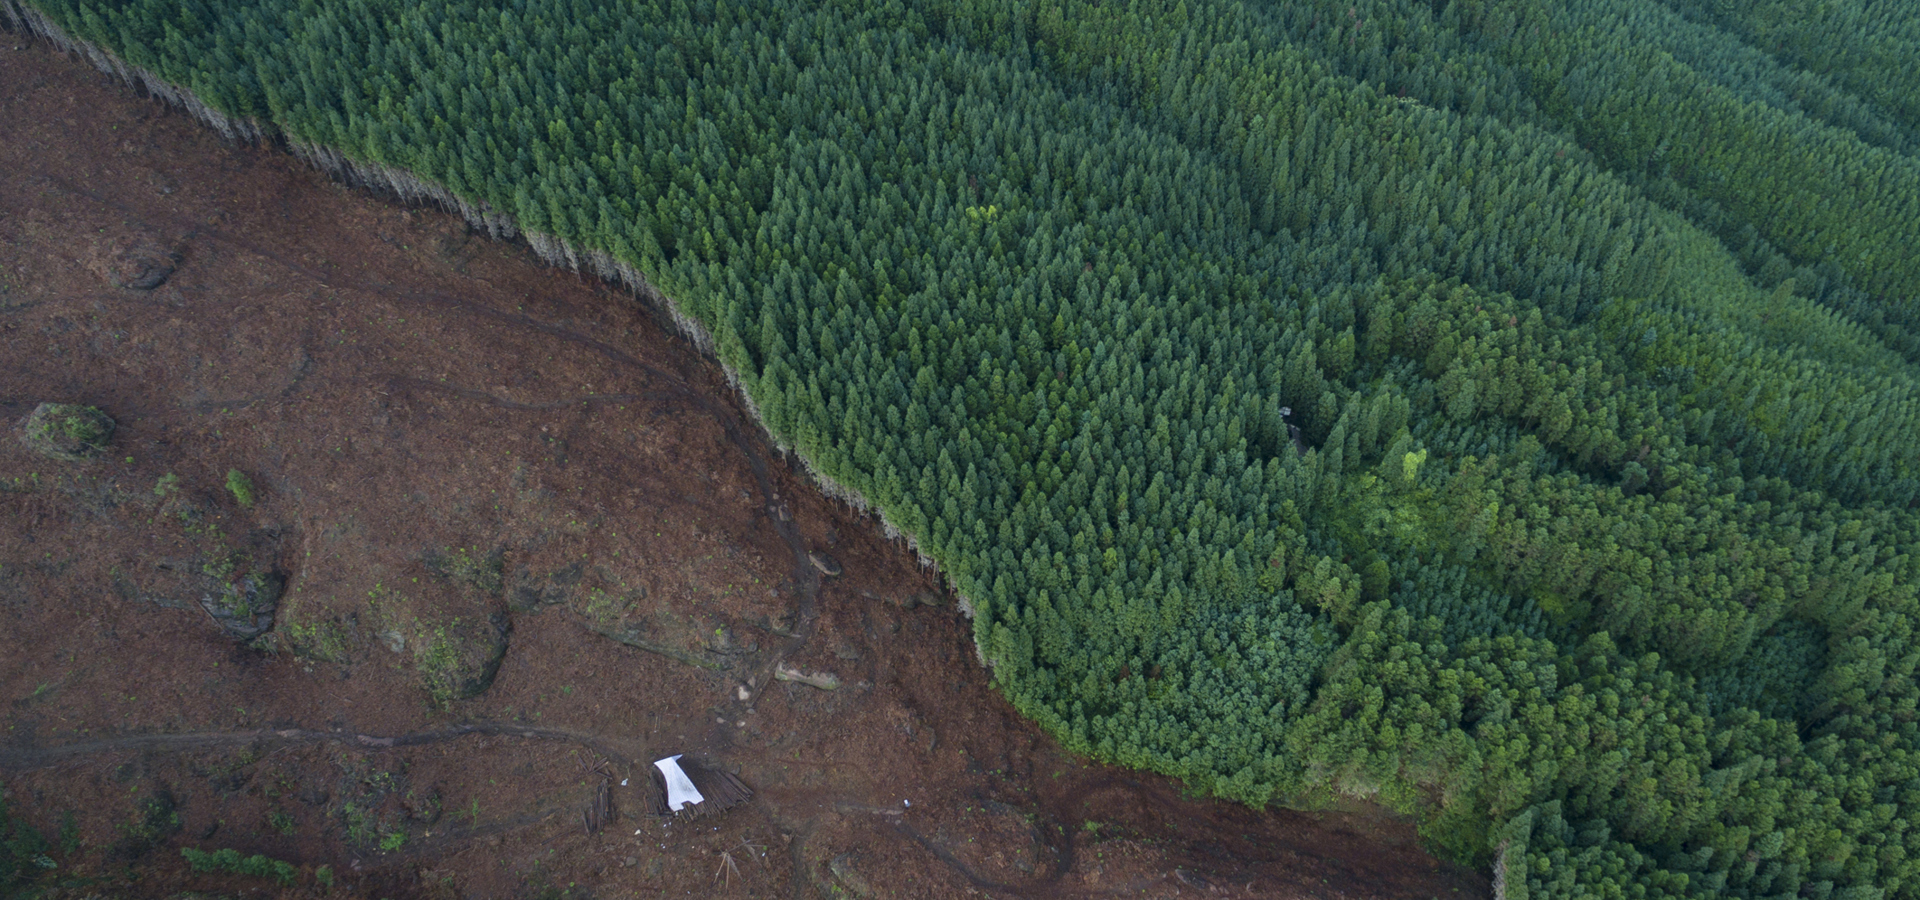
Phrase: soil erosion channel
x=514 y=541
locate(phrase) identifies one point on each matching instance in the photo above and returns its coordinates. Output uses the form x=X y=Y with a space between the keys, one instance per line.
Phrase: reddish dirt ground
x=453 y=449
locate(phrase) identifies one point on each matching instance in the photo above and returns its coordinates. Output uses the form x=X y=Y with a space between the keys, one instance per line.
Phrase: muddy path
x=515 y=540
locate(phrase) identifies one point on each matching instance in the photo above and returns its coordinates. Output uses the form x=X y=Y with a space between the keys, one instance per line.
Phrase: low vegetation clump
x=156 y=818
x=1503 y=410
x=24 y=851
x=67 y=432
x=241 y=487
x=230 y=861
x=322 y=641
x=480 y=572
x=456 y=656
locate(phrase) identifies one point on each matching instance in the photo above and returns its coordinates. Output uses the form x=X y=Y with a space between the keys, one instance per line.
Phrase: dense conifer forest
x=1504 y=409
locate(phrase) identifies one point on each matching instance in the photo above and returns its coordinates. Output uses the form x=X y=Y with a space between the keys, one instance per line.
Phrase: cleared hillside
x=1596 y=547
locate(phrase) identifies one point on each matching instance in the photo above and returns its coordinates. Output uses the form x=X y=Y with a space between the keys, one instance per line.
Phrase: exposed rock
x=844 y=871
x=826 y=564
x=722 y=640
x=66 y=431
x=530 y=592
x=640 y=636
x=244 y=609
x=480 y=572
x=459 y=659
x=139 y=262
x=424 y=808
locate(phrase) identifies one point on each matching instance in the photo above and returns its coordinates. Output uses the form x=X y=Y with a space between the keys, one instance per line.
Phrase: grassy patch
x=604 y=608
x=366 y=808
x=456 y=657
x=437 y=656
x=479 y=571
x=325 y=641
x=368 y=827
x=229 y=861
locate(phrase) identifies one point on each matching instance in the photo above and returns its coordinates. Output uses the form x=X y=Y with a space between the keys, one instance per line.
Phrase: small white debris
x=906 y=803
x=744 y=693
x=623 y=783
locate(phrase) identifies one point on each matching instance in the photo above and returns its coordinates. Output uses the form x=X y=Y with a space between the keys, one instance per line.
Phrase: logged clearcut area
x=1500 y=411
x=514 y=541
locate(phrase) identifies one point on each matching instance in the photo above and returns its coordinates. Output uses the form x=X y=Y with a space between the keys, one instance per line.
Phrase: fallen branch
x=825 y=681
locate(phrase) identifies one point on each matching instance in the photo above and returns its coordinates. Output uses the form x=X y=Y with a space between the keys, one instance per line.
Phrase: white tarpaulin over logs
x=680 y=789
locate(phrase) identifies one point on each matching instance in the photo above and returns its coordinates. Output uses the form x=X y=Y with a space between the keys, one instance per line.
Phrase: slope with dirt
x=515 y=540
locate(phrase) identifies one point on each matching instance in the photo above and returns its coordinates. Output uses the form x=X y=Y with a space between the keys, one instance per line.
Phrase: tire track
x=22 y=759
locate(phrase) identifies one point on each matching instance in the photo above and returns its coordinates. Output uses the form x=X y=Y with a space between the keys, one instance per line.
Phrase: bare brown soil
x=452 y=449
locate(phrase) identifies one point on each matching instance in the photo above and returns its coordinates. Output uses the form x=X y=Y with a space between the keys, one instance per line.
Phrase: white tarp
x=680 y=789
